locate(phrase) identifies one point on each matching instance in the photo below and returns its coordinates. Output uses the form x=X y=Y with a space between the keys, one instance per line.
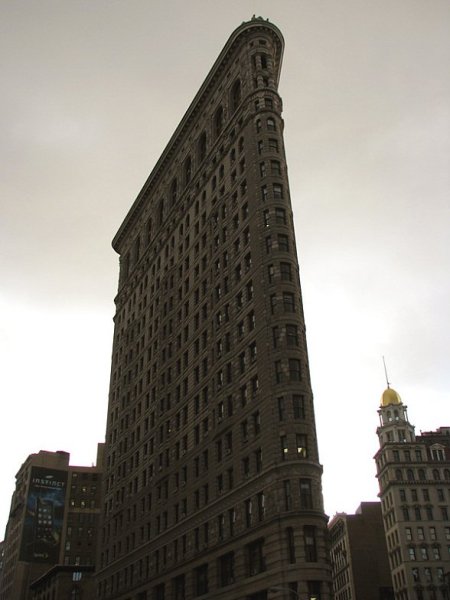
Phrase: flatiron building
x=213 y=480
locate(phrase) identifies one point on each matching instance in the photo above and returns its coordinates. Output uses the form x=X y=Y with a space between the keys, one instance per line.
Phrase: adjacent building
x=213 y=480
x=53 y=520
x=65 y=582
x=359 y=555
x=414 y=477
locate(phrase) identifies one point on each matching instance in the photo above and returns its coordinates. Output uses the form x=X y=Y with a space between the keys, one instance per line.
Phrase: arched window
x=436 y=475
x=422 y=475
x=173 y=191
x=447 y=474
x=236 y=95
x=218 y=121
x=398 y=474
x=187 y=170
x=410 y=474
x=202 y=146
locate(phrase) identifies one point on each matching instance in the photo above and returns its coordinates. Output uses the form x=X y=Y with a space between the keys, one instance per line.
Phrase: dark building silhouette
x=53 y=520
x=413 y=473
x=65 y=582
x=213 y=481
x=359 y=555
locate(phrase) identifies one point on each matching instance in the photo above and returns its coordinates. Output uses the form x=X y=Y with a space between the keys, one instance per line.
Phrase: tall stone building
x=213 y=481
x=414 y=477
x=54 y=518
x=359 y=555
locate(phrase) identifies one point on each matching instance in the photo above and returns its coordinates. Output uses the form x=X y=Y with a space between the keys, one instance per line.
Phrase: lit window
x=284 y=447
x=301 y=440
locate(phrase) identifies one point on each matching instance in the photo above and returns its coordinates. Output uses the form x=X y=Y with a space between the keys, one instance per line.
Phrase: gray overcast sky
x=91 y=93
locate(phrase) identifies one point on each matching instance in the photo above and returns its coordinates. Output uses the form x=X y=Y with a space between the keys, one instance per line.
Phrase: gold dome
x=389 y=397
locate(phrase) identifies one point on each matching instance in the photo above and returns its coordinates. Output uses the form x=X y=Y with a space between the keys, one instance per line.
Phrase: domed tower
x=412 y=473
x=394 y=425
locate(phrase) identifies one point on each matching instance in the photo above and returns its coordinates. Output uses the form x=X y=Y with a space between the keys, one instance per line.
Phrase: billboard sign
x=41 y=537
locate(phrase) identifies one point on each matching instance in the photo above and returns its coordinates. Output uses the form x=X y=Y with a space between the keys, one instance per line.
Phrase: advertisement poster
x=44 y=516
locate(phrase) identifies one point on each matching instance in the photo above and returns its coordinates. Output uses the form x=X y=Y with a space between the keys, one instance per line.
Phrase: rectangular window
x=281 y=408
x=309 y=533
x=278 y=372
x=287 y=495
x=275 y=167
x=298 y=405
x=258 y=460
x=264 y=193
x=245 y=466
x=261 y=506
x=288 y=302
x=226 y=569
x=280 y=216
x=295 y=373
x=277 y=191
x=285 y=271
x=178 y=587
x=256 y=418
x=290 y=544
x=305 y=493
x=302 y=450
x=254 y=553
x=283 y=447
x=248 y=512
x=283 y=242
x=292 y=335
x=231 y=520
x=201 y=580
x=252 y=352
x=271 y=124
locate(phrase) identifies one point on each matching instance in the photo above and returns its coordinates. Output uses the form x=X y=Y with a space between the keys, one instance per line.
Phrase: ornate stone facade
x=213 y=481
x=414 y=477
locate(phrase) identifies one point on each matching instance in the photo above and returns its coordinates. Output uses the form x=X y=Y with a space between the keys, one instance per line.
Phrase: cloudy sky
x=92 y=91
